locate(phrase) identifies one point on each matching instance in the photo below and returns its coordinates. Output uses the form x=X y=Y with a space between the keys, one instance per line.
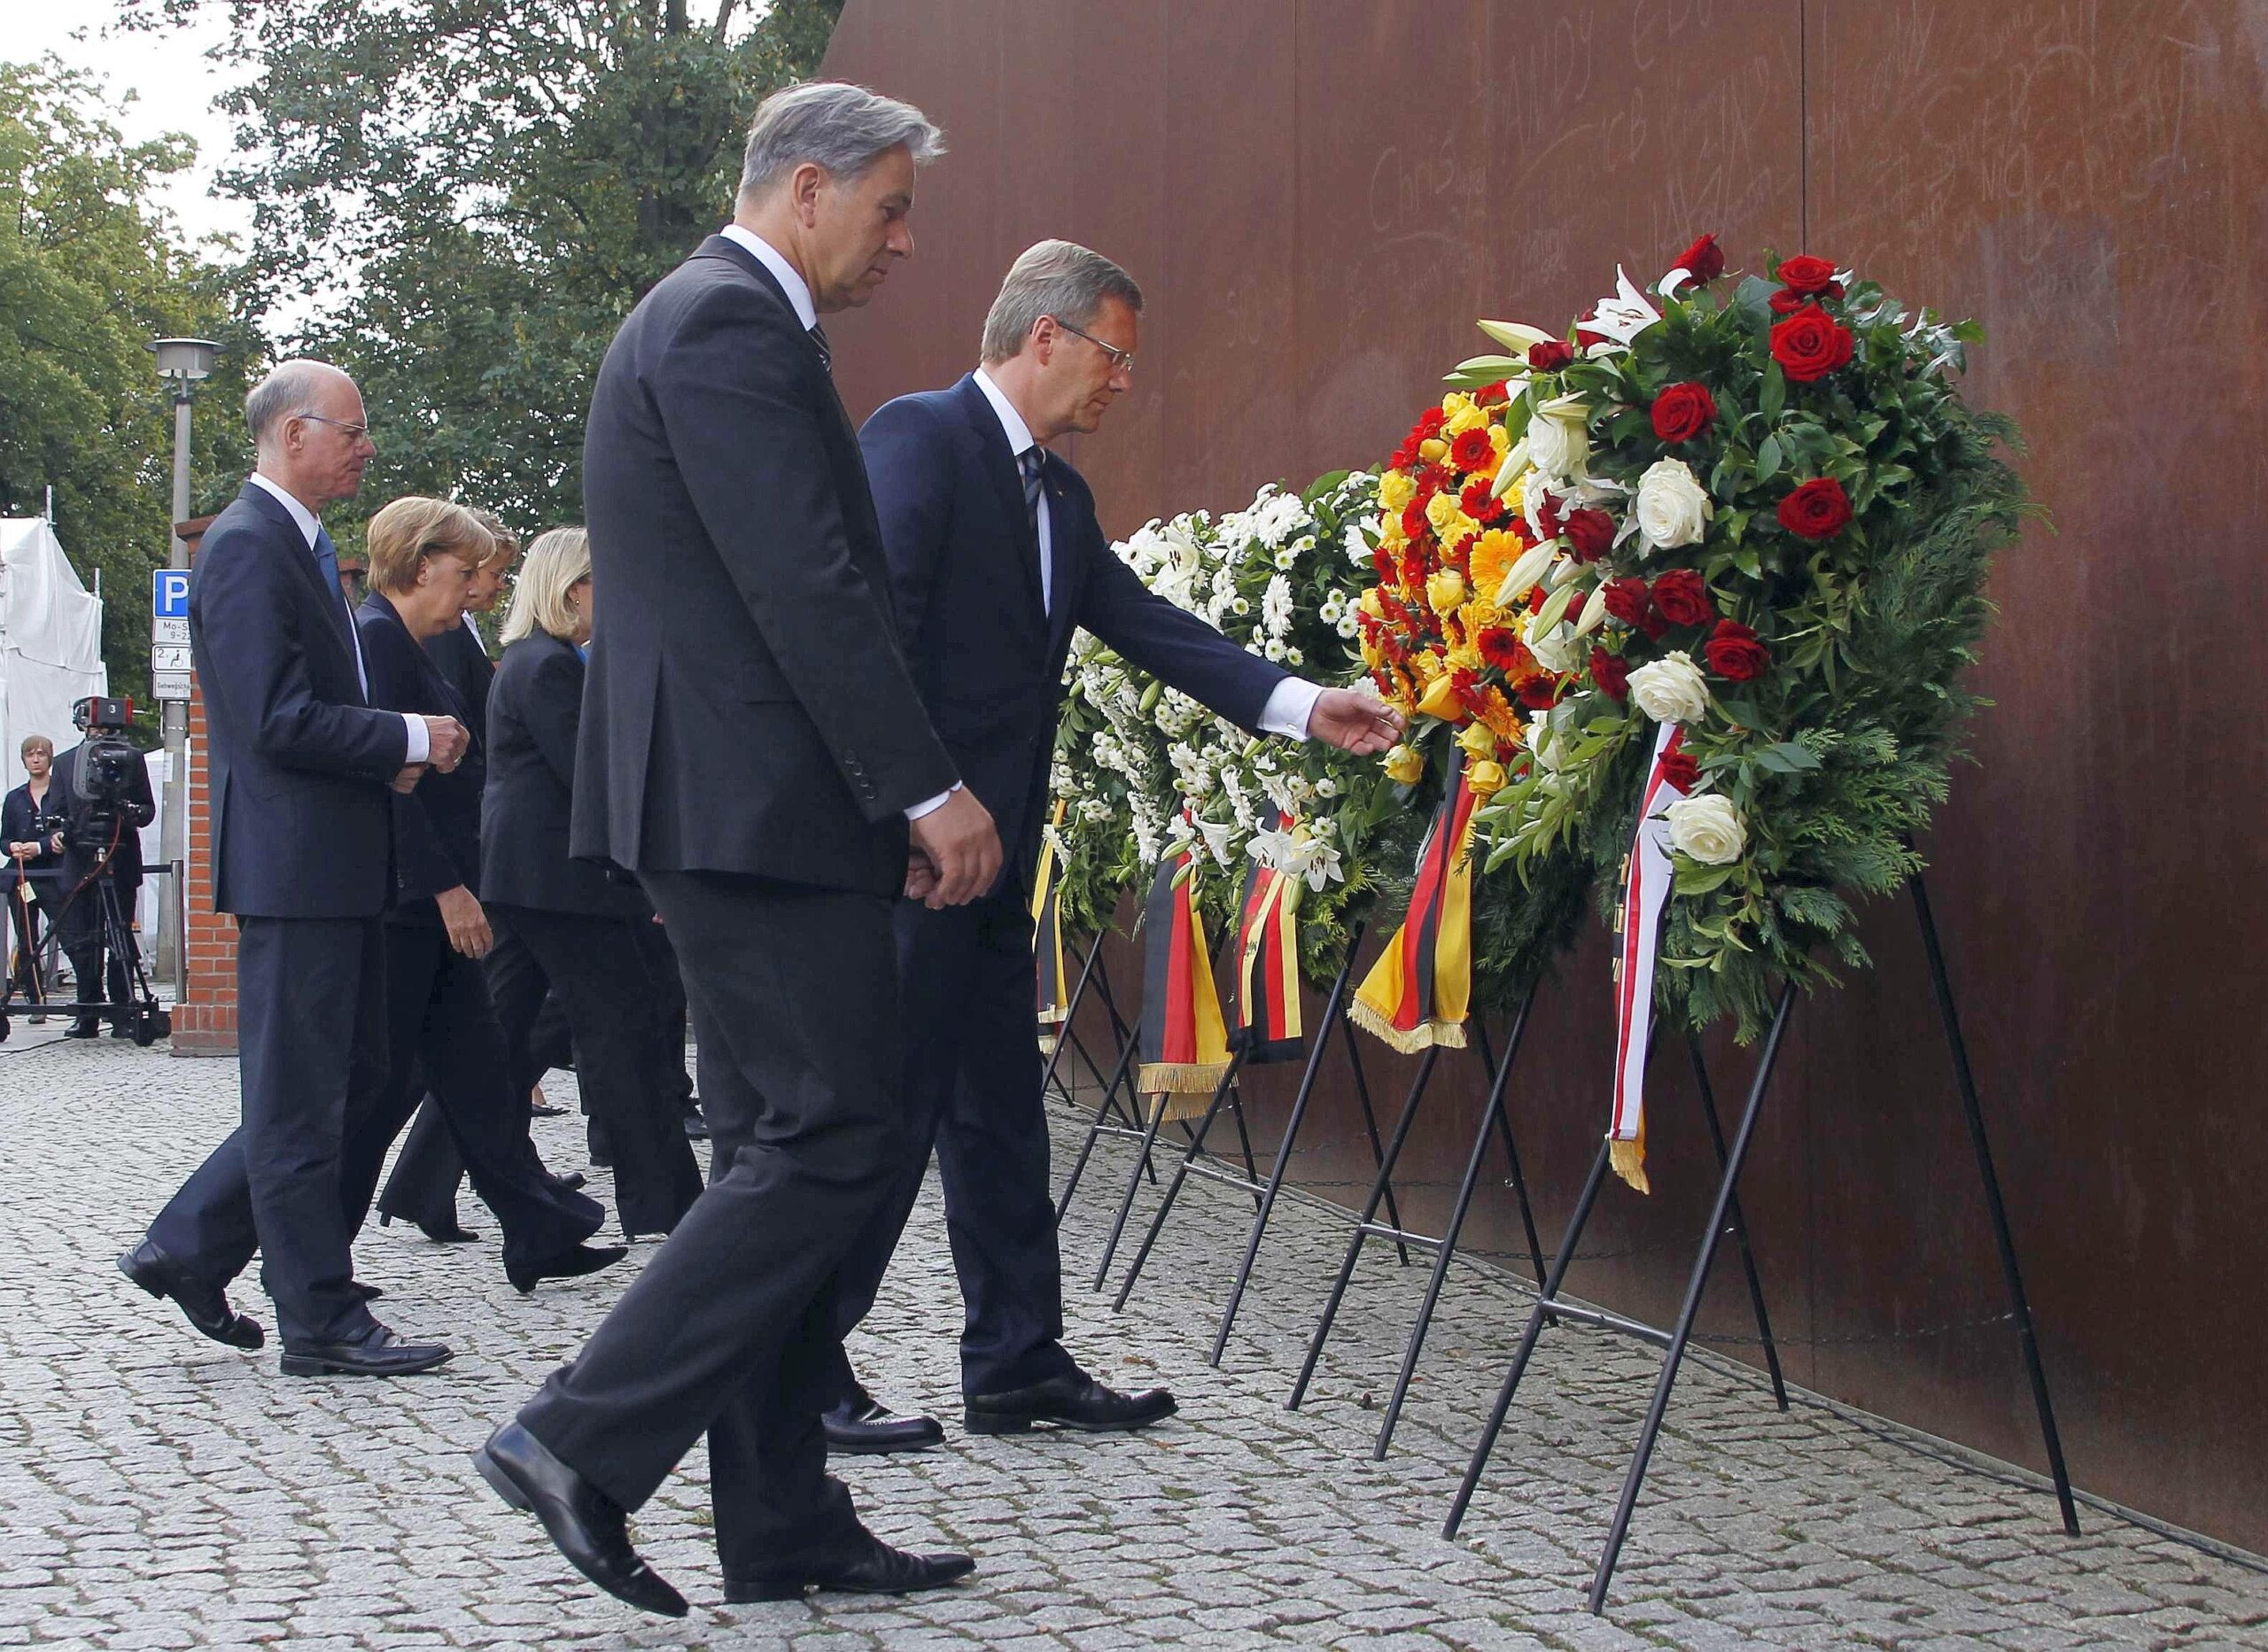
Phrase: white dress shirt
x=798 y=290
x=421 y=745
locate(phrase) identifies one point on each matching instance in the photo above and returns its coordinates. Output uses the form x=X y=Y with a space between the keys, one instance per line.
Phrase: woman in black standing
x=574 y=924
x=34 y=857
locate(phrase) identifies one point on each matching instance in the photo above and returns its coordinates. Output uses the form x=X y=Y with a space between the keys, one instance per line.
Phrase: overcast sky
x=174 y=82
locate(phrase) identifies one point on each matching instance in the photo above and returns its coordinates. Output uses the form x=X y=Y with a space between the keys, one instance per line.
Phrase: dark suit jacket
x=748 y=708
x=437 y=828
x=466 y=667
x=986 y=656
x=19 y=824
x=78 y=855
x=301 y=825
x=534 y=713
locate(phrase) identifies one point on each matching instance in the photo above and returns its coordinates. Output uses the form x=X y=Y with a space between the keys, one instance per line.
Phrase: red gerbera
x=1480 y=503
x=1500 y=645
x=1472 y=449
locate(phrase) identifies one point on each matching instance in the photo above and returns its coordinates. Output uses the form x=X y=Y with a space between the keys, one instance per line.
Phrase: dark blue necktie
x=327 y=559
x=1030 y=462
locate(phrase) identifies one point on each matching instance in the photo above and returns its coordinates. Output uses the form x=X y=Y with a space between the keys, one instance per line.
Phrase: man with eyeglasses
x=303 y=857
x=996 y=558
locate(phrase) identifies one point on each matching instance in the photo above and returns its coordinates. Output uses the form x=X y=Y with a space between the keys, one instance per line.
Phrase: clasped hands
x=446 y=741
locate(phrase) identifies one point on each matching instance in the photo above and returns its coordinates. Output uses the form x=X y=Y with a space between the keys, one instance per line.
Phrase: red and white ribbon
x=1645 y=893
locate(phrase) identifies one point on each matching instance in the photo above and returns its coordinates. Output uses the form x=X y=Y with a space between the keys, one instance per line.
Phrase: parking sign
x=169 y=593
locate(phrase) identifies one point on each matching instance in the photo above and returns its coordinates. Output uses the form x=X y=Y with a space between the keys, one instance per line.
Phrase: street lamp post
x=180 y=364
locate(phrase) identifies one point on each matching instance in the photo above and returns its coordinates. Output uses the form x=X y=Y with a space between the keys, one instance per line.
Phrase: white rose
x=1706 y=828
x=1557 y=444
x=1672 y=506
x=1670 y=690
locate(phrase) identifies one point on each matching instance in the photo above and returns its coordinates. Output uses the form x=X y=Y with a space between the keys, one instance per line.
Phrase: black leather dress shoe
x=545 y=1110
x=449 y=1232
x=205 y=1306
x=83 y=1029
x=1073 y=1402
x=865 y=1566
x=569 y=1264
x=381 y=1353
x=696 y=1127
x=573 y=1181
x=368 y=1293
x=587 y=1526
x=859 y=1426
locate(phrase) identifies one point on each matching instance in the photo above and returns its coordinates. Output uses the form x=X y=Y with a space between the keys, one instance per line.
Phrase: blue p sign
x=169 y=593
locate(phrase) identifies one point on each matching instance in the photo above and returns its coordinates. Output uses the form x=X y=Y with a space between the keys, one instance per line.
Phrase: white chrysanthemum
x=1276 y=606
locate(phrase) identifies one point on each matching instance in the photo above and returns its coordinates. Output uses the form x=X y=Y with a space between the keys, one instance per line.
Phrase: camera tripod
x=140 y=1013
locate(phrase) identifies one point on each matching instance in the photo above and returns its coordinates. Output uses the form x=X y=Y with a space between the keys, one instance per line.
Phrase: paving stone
x=159 y=1491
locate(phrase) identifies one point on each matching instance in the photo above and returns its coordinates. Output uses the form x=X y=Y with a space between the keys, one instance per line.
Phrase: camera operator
x=103 y=788
x=31 y=831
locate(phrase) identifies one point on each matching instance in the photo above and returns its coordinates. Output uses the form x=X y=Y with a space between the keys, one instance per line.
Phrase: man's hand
x=920 y=876
x=405 y=782
x=1354 y=722
x=55 y=844
x=467 y=924
x=23 y=851
x=960 y=841
x=448 y=741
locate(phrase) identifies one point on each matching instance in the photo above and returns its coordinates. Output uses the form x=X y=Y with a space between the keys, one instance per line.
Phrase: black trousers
x=971 y=1086
x=442 y=1030
x=596 y=967
x=311 y=1035
x=86 y=945
x=729 y=1330
x=28 y=906
x=422 y=1185
x=670 y=1011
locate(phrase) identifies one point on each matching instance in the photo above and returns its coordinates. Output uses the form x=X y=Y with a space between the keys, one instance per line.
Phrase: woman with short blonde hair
x=544 y=597
x=411 y=529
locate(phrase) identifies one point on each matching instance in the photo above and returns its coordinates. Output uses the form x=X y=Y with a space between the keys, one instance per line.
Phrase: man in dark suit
x=753 y=747
x=302 y=854
x=85 y=867
x=997 y=558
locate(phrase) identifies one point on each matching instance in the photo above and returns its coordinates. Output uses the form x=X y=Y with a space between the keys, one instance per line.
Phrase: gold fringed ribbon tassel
x=1646 y=876
x=1417 y=993
x=1184 y=1041
x=1269 y=1026
x=1052 y=997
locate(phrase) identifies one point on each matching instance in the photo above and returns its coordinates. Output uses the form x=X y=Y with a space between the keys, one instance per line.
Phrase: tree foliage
x=90 y=271
x=465 y=197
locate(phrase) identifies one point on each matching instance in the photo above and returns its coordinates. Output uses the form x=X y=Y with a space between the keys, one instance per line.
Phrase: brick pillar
x=205 y=1021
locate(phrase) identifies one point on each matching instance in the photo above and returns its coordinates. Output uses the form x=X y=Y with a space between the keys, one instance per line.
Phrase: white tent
x=50 y=640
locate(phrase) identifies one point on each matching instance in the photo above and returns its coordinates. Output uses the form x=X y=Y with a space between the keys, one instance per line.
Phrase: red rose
x=1807 y=274
x=1500 y=645
x=1429 y=425
x=1491 y=395
x=1734 y=653
x=1435 y=478
x=1653 y=625
x=1819 y=509
x=1472 y=449
x=1537 y=693
x=1787 y=303
x=1810 y=345
x=1679 y=768
x=1551 y=355
x=1584 y=336
x=1611 y=673
x=1547 y=515
x=1683 y=596
x=1684 y=411
x=1626 y=600
x=1589 y=533
x=1702 y=260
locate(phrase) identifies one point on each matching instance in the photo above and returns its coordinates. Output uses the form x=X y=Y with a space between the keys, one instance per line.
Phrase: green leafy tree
x=90 y=271
x=467 y=196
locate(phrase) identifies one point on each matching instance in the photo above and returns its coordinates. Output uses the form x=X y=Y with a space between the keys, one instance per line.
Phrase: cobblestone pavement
x=159 y=1491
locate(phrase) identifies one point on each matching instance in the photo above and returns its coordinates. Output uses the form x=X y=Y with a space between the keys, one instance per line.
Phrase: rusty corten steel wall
x=1319 y=198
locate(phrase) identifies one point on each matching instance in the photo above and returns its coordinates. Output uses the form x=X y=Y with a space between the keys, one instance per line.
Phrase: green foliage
x=470 y=195
x=90 y=271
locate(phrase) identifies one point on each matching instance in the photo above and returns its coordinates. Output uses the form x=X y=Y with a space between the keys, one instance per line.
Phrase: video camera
x=103 y=773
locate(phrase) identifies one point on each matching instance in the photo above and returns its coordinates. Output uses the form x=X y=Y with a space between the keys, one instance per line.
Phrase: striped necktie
x=826 y=356
x=1029 y=463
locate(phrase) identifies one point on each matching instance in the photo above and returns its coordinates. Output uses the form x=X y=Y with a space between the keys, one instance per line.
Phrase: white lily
x=1517 y=337
x=1514 y=467
x=1624 y=316
x=1593 y=612
x=1526 y=572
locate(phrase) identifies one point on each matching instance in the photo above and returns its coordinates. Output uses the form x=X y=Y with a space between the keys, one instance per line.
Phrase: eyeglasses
x=354 y=432
x=1120 y=361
